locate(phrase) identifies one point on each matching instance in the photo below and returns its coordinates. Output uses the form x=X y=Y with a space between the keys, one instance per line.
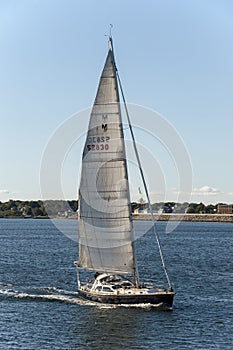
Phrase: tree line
x=62 y=208
x=38 y=209
x=172 y=207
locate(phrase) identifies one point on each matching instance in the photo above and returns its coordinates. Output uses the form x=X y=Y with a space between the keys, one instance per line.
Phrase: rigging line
x=144 y=182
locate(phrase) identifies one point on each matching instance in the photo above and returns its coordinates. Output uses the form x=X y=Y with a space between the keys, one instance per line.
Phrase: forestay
x=105 y=223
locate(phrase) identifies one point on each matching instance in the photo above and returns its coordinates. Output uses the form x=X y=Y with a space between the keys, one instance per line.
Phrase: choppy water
x=40 y=308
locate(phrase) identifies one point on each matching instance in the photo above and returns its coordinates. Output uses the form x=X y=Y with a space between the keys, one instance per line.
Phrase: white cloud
x=4 y=192
x=206 y=191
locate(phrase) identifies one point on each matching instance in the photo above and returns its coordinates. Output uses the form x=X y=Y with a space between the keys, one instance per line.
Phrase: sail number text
x=98 y=143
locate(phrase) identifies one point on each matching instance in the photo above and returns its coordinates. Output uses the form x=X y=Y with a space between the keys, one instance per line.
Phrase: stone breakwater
x=186 y=217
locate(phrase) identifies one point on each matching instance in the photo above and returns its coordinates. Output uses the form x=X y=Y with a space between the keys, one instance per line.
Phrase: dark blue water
x=40 y=309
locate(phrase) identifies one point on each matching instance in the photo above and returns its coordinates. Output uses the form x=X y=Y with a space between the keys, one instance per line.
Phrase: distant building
x=141 y=211
x=225 y=209
x=147 y=211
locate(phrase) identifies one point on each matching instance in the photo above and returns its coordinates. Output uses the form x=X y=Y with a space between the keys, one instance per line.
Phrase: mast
x=136 y=275
x=144 y=183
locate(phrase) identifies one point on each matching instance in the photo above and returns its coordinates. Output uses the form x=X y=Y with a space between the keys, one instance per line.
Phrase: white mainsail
x=105 y=222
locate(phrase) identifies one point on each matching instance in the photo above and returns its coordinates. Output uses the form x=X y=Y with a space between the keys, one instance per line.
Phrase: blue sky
x=174 y=57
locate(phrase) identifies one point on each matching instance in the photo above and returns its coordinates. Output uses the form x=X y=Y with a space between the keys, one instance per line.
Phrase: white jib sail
x=105 y=223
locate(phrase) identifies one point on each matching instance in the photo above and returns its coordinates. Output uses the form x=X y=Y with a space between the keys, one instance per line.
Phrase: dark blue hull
x=163 y=300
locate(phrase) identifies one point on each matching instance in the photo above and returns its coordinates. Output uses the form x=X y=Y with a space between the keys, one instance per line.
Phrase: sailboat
x=105 y=225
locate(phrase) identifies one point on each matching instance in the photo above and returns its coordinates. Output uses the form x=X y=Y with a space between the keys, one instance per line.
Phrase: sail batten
x=105 y=222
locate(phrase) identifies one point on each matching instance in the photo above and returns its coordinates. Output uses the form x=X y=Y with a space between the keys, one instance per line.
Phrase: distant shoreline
x=186 y=217
x=158 y=217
